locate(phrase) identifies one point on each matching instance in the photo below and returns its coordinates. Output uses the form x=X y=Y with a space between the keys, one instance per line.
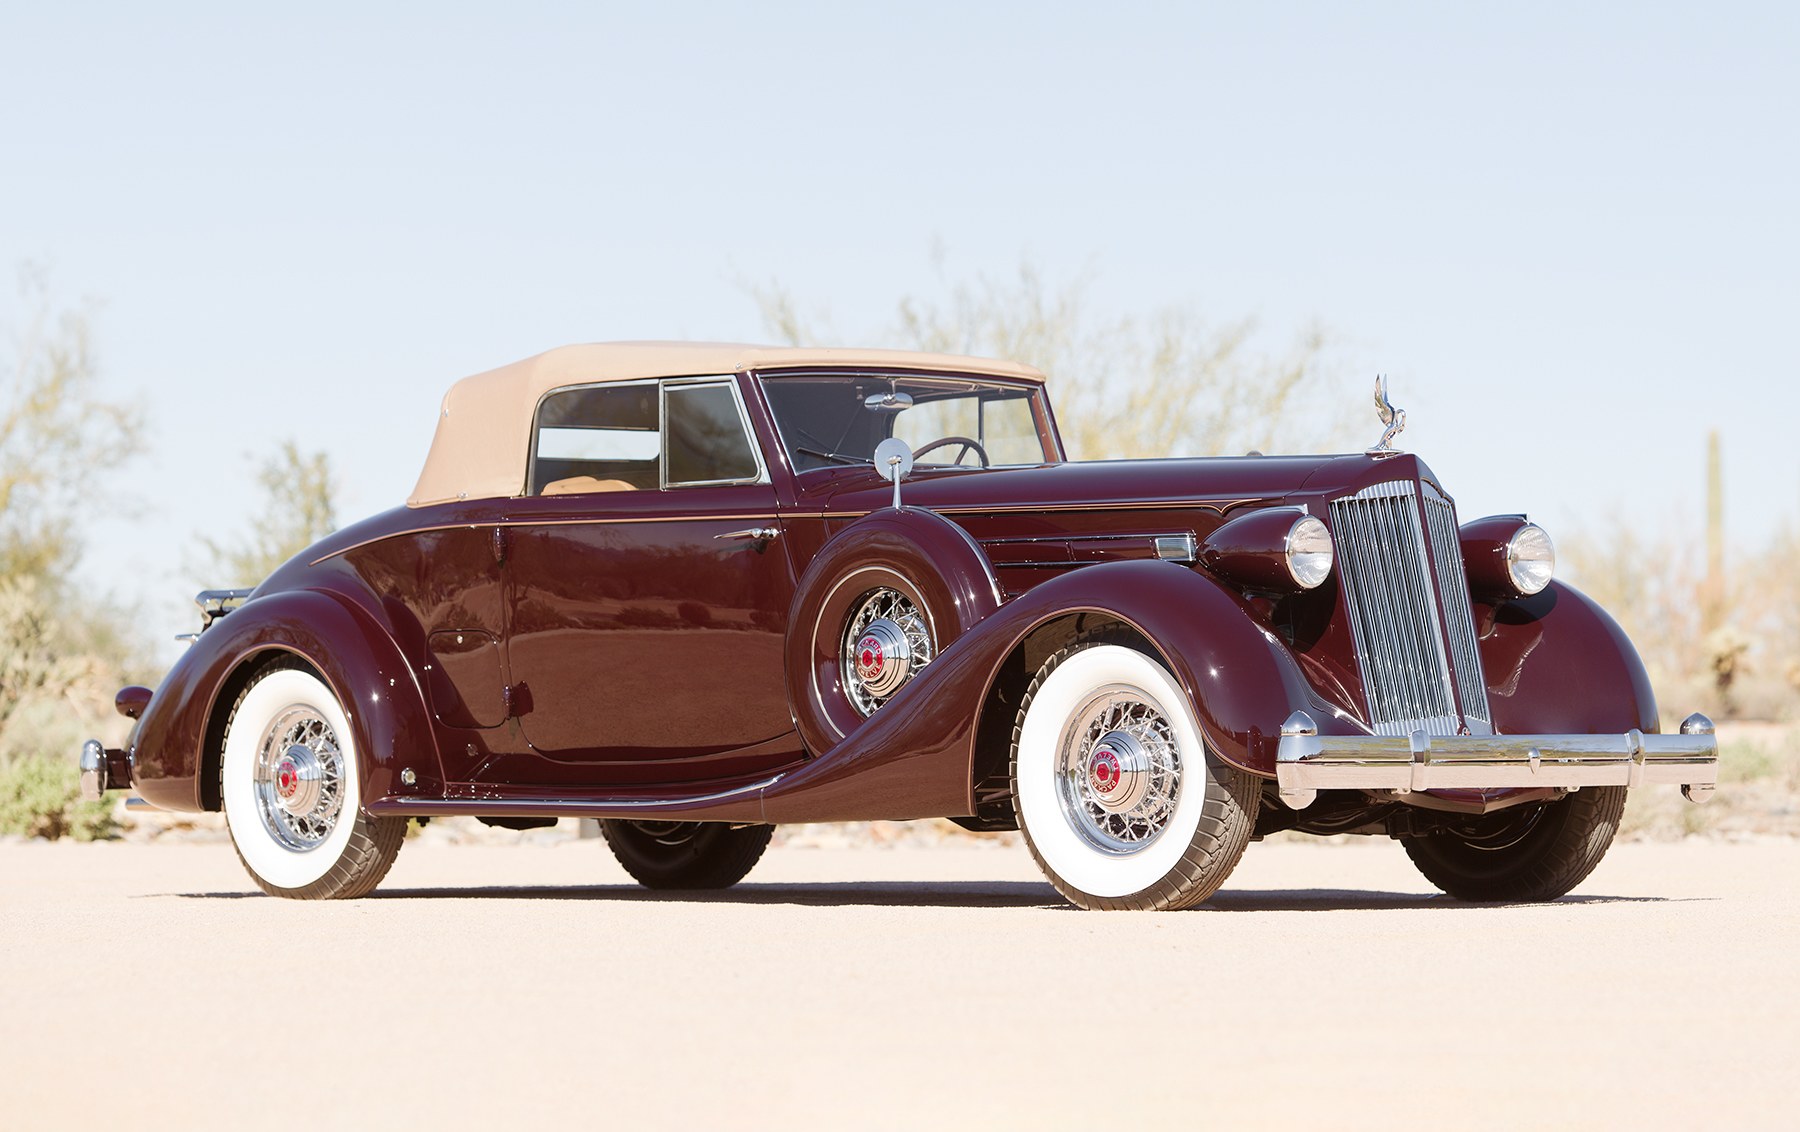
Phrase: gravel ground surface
x=145 y=986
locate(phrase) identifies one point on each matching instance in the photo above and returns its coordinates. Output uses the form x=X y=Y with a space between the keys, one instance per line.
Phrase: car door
x=647 y=589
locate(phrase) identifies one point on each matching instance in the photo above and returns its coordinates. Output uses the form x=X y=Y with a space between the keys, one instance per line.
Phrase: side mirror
x=894 y=461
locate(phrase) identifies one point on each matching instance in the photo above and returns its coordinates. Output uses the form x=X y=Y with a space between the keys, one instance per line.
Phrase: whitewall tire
x=290 y=781
x=1120 y=801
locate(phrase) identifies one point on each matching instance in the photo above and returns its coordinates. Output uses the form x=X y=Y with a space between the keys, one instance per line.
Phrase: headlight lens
x=1530 y=559
x=1309 y=552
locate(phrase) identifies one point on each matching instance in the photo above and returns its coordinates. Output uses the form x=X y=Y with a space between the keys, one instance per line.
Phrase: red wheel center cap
x=869 y=656
x=1103 y=769
x=287 y=778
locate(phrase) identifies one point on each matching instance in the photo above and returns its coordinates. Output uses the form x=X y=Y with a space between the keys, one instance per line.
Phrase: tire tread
x=1547 y=867
x=723 y=856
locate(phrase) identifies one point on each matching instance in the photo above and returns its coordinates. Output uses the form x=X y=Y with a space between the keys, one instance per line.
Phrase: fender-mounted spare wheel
x=878 y=604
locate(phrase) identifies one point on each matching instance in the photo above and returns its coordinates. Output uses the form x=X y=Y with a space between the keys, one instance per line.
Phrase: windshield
x=825 y=419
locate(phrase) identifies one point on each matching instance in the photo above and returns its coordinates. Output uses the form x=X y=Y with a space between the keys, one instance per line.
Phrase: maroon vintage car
x=698 y=590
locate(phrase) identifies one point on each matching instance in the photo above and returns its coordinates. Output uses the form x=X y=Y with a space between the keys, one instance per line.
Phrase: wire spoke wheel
x=887 y=640
x=299 y=778
x=1121 y=801
x=1119 y=770
x=288 y=780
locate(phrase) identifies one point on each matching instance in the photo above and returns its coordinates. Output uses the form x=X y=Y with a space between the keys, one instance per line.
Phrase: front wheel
x=1121 y=803
x=292 y=790
x=1525 y=855
x=686 y=854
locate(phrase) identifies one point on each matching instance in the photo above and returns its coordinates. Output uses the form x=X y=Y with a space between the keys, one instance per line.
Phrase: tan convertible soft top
x=483 y=439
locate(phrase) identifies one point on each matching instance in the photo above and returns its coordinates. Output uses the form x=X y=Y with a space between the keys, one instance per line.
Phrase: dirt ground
x=145 y=986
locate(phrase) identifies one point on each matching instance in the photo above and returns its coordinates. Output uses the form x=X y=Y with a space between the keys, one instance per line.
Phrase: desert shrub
x=40 y=796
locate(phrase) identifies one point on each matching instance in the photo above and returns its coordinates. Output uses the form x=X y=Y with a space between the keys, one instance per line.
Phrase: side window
x=707 y=442
x=599 y=438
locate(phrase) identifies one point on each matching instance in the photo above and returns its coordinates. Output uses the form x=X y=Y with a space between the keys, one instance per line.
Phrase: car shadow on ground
x=955 y=894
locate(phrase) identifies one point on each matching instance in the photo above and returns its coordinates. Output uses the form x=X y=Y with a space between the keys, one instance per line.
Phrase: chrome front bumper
x=1309 y=762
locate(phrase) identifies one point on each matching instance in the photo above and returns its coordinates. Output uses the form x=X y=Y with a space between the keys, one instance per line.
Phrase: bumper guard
x=102 y=769
x=1308 y=762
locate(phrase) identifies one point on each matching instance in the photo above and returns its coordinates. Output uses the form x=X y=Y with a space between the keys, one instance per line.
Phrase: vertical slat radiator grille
x=1459 y=620
x=1409 y=662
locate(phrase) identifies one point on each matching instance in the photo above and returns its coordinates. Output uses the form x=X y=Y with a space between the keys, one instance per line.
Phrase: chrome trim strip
x=569 y=806
x=1059 y=564
x=1141 y=536
x=1221 y=506
x=751 y=517
x=1307 y=762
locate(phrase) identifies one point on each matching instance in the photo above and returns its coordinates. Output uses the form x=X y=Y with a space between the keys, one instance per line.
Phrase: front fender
x=1558 y=664
x=915 y=756
x=178 y=737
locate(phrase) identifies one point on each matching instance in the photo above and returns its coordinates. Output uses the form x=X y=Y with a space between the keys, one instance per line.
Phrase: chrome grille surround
x=1412 y=668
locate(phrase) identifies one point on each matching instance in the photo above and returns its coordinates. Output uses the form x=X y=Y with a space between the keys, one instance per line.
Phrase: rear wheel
x=292 y=791
x=686 y=854
x=1526 y=855
x=1122 y=805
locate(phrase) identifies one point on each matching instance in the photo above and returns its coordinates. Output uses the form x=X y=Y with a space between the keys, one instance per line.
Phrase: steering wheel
x=968 y=445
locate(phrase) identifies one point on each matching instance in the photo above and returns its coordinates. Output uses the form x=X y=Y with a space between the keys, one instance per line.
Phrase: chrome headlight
x=1507 y=557
x=1530 y=559
x=1274 y=550
x=1309 y=552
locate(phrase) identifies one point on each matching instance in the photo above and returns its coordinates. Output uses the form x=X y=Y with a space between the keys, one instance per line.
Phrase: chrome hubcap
x=883 y=657
x=1119 y=770
x=885 y=643
x=299 y=779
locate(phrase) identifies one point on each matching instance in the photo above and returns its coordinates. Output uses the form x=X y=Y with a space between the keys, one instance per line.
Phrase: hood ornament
x=1394 y=419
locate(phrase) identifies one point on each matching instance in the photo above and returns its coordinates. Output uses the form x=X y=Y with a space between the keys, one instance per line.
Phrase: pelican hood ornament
x=1394 y=419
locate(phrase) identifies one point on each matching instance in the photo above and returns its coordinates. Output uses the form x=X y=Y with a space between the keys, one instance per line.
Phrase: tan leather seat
x=582 y=485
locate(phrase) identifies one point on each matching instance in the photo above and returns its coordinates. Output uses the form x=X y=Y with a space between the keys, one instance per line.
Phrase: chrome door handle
x=754 y=534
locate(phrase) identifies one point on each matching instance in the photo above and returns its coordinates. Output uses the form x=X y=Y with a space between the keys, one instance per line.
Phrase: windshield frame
x=1033 y=392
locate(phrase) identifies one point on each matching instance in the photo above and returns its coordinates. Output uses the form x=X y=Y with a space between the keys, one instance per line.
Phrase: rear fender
x=176 y=750
x=915 y=756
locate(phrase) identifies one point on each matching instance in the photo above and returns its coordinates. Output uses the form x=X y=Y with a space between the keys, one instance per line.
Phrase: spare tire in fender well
x=907 y=548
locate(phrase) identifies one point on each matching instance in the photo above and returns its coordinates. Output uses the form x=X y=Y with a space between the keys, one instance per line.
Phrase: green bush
x=41 y=797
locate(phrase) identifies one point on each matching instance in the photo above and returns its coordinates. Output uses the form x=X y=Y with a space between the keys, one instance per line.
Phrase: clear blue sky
x=1568 y=233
